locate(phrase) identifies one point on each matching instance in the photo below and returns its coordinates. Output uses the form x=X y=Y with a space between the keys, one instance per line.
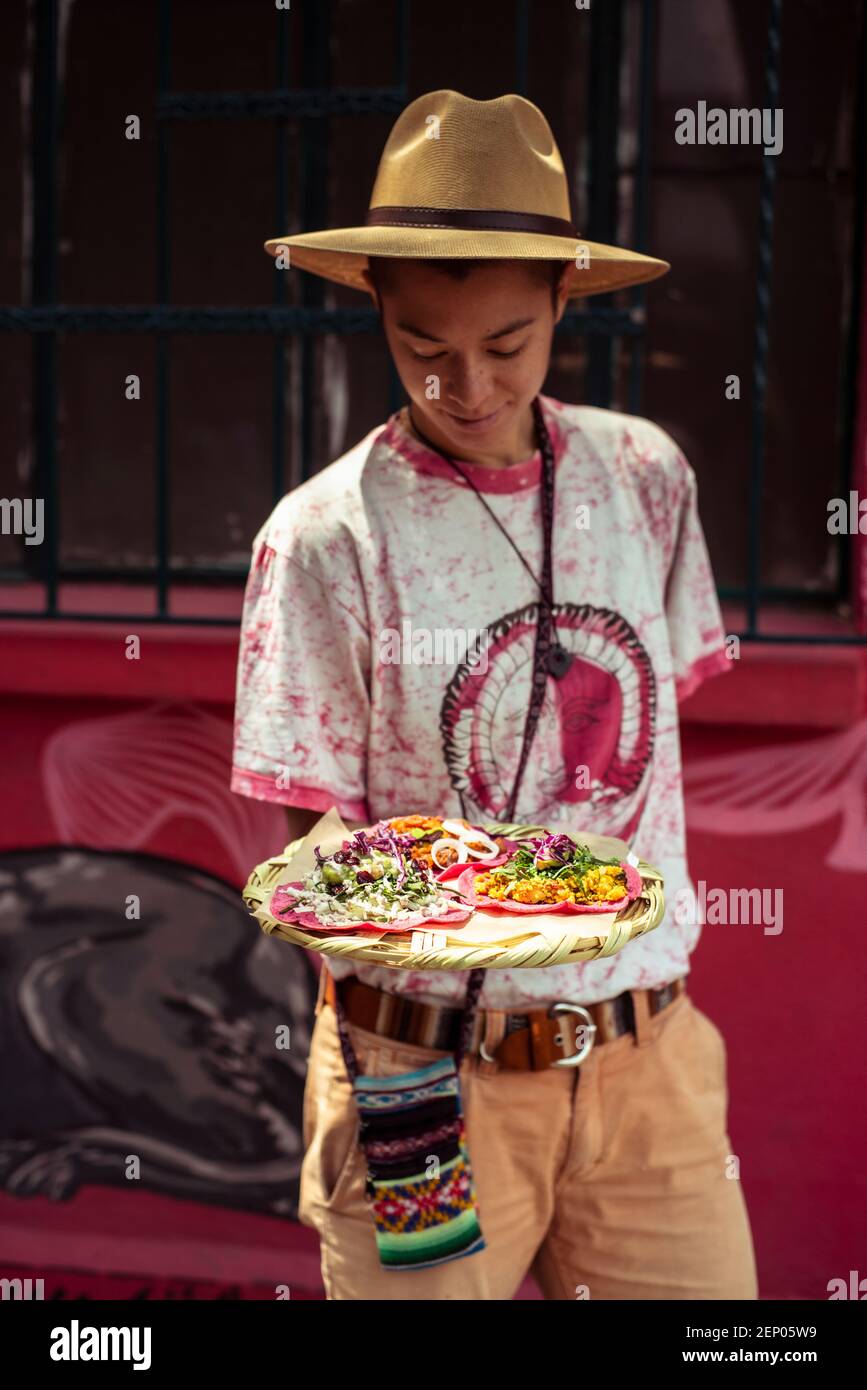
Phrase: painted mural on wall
x=142 y=1006
x=154 y=1035
x=786 y=788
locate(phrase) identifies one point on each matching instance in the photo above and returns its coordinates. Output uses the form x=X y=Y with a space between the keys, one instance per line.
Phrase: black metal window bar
x=603 y=323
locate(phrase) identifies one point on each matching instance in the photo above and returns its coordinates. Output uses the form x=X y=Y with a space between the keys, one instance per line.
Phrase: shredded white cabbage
x=370 y=904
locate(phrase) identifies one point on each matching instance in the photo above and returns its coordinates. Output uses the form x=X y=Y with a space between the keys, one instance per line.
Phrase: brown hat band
x=470 y=220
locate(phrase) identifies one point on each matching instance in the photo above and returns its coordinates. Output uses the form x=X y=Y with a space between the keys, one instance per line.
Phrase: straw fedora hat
x=468 y=179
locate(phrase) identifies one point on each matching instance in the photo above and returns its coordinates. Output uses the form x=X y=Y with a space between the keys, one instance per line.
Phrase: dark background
x=231 y=178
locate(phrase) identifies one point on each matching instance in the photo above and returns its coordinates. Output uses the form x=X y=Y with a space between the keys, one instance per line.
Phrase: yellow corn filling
x=601 y=885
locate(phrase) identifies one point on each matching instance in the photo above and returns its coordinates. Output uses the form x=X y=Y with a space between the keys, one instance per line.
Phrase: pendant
x=559 y=661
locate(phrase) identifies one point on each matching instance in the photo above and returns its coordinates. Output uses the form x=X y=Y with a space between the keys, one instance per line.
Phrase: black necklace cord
x=549 y=657
x=546 y=648
x=469 y=482
x=545 y=627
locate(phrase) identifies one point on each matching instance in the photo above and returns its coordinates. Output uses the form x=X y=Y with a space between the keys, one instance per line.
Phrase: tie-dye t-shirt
x=386 y=655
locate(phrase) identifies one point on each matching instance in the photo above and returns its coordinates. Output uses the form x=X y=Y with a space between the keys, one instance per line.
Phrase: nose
x=468 y=386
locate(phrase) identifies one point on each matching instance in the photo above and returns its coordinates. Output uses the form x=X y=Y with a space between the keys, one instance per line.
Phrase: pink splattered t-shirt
x=386 y=655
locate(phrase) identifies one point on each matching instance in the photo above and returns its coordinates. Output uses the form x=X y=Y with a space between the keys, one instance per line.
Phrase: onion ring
x=469 y=836
x=459 y=847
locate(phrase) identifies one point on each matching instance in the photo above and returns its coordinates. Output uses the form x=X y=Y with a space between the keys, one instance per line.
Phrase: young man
x=386 y=667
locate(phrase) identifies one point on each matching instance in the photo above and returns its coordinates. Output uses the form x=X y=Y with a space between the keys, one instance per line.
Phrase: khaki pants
x=612 y=1180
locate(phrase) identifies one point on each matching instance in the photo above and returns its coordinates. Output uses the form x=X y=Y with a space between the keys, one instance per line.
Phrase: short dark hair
x=548 y=272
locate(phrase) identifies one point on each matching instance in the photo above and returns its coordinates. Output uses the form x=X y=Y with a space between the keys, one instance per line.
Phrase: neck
x=516 y=447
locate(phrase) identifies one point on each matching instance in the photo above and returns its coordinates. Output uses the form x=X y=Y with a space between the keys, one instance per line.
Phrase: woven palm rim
x=575 y=944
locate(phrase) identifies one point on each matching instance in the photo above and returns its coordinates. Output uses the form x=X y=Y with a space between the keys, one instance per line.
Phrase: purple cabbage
x=559 y=848
x=396 y=851
x=381 y=838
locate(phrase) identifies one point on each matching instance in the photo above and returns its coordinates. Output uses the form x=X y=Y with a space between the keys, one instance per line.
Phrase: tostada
x=387 y=877
x=551 y=873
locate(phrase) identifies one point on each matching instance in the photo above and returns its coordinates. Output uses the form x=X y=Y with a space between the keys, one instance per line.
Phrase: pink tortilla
x=281 y=906
x=469 y=895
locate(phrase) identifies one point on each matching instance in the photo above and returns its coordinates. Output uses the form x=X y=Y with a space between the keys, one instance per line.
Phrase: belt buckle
x=588 y=1026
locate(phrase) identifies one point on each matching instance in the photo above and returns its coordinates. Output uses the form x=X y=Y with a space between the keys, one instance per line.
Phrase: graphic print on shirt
x=593 y=746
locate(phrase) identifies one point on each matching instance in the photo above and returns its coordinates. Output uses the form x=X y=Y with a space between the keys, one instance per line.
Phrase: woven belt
x=557 y=1035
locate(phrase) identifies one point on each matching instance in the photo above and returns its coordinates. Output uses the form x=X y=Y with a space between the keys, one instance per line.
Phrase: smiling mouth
x=475 y=419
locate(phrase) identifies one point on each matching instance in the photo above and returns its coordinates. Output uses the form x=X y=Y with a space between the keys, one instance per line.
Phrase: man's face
x=472 y=353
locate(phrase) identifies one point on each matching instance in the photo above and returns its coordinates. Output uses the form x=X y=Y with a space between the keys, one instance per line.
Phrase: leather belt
x=558 y=1035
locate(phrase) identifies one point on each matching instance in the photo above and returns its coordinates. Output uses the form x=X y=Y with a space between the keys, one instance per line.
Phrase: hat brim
x=341 y=255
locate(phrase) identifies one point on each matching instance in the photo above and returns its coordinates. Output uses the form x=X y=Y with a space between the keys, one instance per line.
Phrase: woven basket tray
x=565 y=939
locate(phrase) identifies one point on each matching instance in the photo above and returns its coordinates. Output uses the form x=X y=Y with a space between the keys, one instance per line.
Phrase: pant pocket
x=332 y=1154
x=341 y=1157
x=713 y=1043
x=664 y=1106
x=334 y=1168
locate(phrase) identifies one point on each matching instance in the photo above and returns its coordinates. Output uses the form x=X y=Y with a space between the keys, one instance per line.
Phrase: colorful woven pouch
x=419 y=1179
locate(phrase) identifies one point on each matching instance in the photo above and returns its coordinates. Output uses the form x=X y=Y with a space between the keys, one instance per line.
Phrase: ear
x=566 y=279
x=371 y=289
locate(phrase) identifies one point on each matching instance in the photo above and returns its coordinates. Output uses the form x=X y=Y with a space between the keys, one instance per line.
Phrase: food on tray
x=373 y=880
x=549 y=874
x=439 y=843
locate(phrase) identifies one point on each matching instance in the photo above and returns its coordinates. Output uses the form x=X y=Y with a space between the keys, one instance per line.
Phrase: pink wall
x=774 y=805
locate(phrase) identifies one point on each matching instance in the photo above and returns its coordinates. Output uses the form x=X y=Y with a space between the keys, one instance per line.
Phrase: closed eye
x=432 y=357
